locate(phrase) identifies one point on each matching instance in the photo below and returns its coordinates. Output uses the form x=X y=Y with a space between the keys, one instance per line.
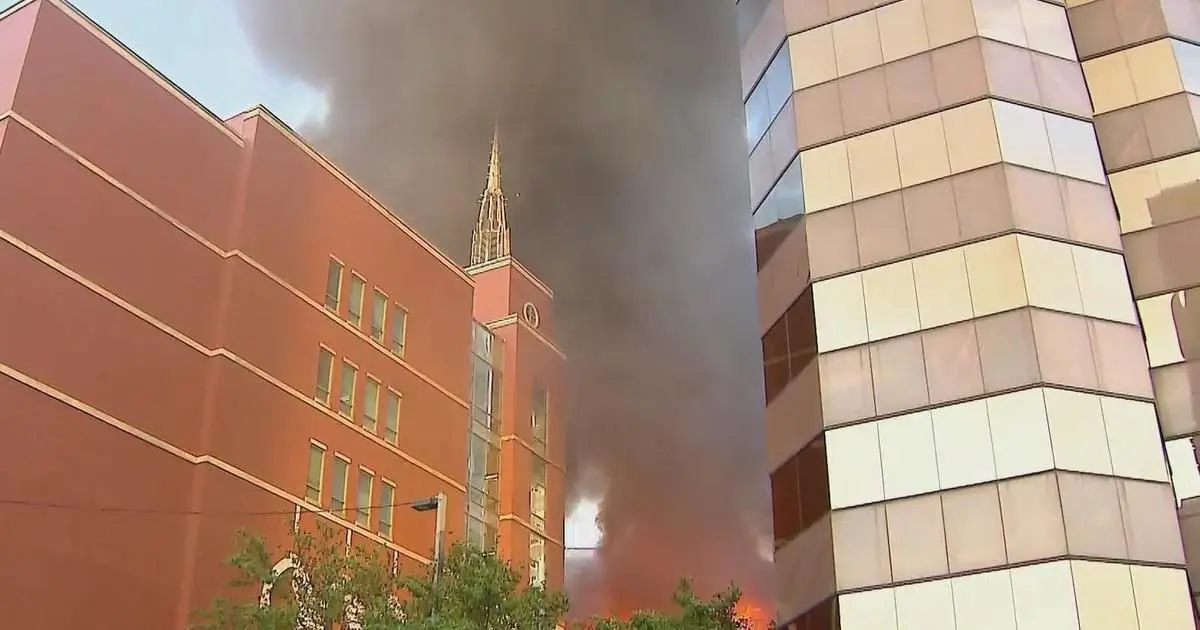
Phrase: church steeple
x=490 y=239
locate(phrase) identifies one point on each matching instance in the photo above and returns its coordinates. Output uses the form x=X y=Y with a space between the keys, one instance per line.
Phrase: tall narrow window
x=354 y=311
x=541 y=402
x=316 y=472
x=537 y=495
x=387 y=497
x=379 y=306
x=324 y=377
x=333 y=286
x=391 y=418
x=399 y=324
x=341 y=478
x=537 y=560
x=371 y=405
x=346 y=390
x=366 y=480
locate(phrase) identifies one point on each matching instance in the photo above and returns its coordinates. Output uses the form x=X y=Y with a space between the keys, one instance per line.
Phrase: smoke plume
x=621 y=130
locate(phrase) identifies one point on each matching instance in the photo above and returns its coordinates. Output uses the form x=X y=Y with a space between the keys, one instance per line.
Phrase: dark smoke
x=621 y=128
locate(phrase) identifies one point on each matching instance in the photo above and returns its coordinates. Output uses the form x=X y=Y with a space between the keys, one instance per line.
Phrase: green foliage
x=693 y=613
x=475 y=590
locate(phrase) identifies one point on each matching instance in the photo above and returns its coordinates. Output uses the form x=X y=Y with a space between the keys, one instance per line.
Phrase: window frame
x=356 y=318
x=398 y=344
x=371 y=404
x=379 y=298
x=343 y=483
x=362 y=509
x=333 y=303
x=323 y=394
x=391 y=424
x=319 y=450
x=346 y=409
x=387 y=508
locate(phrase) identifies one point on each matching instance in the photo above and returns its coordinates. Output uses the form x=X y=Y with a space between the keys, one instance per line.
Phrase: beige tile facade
x=965 y=422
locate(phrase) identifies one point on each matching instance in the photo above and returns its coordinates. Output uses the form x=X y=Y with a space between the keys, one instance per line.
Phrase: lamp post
x=435 y=502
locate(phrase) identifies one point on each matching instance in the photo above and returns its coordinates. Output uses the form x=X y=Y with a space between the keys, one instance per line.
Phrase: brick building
x=205 y=325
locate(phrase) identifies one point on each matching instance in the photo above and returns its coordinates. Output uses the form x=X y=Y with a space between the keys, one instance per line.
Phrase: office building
x=207 y=326
x=965 y=421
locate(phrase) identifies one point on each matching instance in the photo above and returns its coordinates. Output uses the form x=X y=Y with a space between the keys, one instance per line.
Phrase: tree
x=693 y=613
x=326 y=586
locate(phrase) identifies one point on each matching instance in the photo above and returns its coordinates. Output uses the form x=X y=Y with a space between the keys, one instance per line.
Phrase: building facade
x=966 y=401
x=207 y=326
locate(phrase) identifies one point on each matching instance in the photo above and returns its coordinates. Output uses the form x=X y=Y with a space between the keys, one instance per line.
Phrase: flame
x=756 y=616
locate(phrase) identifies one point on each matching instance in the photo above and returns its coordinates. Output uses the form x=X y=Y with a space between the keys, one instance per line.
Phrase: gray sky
x=200 y=45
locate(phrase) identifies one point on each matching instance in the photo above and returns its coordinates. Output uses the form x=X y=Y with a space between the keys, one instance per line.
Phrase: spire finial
x=490 y=239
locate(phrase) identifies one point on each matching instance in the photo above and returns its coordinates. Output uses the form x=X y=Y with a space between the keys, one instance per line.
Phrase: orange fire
x=755 y=616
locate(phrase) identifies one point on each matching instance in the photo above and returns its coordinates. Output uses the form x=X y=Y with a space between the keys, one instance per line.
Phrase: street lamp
x=435 y=502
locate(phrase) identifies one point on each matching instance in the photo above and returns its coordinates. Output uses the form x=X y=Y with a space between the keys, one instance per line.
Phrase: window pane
x=333 y=285
x=1044 y=596
x=873 y=166
x=371 y=408
x=917 y=537
x=855 y=467
x=539 y=415
x=387 y=497
x=324 y=376
x=316 y=468
x=1020 y=435
x=963 y=442
x=363 y=504
x=379 y=305
x=1023 y=136
x=841 y=312
x=974 y=531
x=890 y=297
x=925 y=606
x=354 y=310
x=860 y=547
x=391 y=429
x=994 y=272
x=346 y=390
x=906 y=448
x=921 y=145
x=1104 y=593
x=399 y=322
x=902 y=29
x=984 y=600
x=341 y=473
x=942 y=290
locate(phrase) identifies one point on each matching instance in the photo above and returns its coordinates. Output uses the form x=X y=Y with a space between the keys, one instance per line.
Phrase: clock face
x=530 y=314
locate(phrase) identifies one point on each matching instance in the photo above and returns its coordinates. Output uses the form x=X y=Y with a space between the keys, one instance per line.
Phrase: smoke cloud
x=624 y=161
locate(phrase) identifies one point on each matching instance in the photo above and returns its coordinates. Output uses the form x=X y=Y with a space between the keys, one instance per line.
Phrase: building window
x=391 y=418
x=363 y=505
x=316 y=472
x=387 y=499
x=358 y=290
x=537 y=495
x=399 y=324
x=333 y=286
x=324 y=376
x=379 y=306
x=371 y=405
x=540 y=406
x=537 y=560
x=341 y=478
x=346 y=389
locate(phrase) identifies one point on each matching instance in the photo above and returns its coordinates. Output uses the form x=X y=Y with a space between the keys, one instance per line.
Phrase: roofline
x=266 y=114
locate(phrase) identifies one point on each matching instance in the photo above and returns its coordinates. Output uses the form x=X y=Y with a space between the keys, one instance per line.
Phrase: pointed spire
x=490 y=238
x=493 y=176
